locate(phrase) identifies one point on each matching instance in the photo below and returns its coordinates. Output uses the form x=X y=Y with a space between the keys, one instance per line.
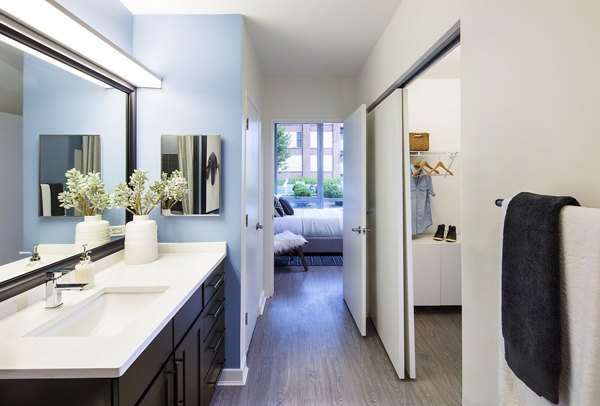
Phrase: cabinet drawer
x=213 y=283
x=186 y=316
x=213 y=344
x=210 y=382
x=212 y=312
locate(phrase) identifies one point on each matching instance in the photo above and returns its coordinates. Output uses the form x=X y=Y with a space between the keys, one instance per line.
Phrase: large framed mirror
x=56 y=111
x=198 y=158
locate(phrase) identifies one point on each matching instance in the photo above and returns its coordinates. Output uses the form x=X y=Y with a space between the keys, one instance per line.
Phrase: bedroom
x=309 y=184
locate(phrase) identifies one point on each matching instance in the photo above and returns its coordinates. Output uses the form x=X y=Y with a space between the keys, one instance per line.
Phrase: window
x=310 y=175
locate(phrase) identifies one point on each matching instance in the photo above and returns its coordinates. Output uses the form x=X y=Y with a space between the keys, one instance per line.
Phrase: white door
x=390 y=286
x=253 y=252
x=355 y=216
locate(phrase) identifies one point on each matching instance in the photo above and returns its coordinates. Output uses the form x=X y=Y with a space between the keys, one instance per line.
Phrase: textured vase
x=166 y=212
x=141 y=241
x=92 y=231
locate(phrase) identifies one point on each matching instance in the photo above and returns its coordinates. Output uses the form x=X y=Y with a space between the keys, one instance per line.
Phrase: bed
x=322 y=228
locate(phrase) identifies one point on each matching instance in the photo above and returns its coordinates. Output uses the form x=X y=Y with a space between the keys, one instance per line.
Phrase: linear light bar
x=60 y=26
x=46 y=58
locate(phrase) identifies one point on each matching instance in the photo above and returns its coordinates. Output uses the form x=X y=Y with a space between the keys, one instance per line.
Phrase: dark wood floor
x=306 y=350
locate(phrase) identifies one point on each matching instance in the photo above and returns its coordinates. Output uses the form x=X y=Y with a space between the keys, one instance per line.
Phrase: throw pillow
x=287 y=206
x=278 y=206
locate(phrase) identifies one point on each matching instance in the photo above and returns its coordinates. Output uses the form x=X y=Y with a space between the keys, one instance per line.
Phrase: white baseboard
x=234 y=376
x=261 y=303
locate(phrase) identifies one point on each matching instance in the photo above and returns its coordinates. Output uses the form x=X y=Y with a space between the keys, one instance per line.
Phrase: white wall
x=434 y=107
x=415 y=27
x=529 y=108
x=293 y=98
x=11 y=185
x=252 y=80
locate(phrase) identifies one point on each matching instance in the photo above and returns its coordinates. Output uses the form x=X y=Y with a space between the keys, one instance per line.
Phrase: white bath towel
x=580 y=317
x=46 y=199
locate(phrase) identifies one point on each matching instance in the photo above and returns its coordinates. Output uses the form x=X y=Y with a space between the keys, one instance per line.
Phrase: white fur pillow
x=287 y=241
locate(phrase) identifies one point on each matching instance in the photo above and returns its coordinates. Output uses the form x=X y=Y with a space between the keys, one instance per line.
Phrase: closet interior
x=435 y=177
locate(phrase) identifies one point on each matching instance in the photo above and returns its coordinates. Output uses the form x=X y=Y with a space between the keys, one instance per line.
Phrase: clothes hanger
x=424 y=165
x=440 y=164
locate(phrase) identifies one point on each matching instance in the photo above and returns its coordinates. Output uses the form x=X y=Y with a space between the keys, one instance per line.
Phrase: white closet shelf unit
x=450 y=156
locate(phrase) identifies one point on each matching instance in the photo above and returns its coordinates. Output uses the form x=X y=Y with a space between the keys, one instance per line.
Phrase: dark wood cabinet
x=187 y=360
x=162 y=392
x=181 y=365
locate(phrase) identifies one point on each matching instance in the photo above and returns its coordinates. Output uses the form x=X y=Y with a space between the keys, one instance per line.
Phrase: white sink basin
x=103 y=315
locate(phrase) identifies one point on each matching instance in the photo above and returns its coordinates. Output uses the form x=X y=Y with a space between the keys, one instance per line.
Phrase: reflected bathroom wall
x=198 y=157
x=56 y=102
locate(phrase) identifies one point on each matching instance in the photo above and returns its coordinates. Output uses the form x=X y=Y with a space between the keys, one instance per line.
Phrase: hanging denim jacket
x=421 y=188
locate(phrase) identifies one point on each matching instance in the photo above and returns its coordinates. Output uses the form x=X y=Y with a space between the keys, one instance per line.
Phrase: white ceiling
x=297 y=37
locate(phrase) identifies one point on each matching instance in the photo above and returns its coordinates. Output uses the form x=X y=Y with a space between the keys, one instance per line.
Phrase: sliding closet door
x=388 y=291
x=409 y=299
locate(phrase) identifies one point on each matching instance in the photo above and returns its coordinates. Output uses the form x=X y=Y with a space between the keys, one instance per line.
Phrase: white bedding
x=312 y=223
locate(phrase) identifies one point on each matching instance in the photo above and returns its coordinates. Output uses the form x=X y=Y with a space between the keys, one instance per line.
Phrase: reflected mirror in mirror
x=58 y=154
x=38 y=97
x=198 y=157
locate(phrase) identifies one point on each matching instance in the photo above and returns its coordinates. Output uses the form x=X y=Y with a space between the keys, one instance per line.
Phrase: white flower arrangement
x=174 y=188
x=134 y=197
x=85 y=193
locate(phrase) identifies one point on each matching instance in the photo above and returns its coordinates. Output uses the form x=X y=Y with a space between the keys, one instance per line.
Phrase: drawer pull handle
x=217 y=346
x=217 y=312
x=216 y=381
x=218 y=283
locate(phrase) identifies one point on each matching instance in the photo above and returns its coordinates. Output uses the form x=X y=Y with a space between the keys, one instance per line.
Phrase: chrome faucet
x=54 y=289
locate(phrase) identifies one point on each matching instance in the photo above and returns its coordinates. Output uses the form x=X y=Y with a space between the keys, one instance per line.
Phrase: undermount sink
x=104 y=315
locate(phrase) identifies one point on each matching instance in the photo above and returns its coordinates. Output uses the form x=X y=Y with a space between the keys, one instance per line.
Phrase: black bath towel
x=55 y=189
x=531 y=290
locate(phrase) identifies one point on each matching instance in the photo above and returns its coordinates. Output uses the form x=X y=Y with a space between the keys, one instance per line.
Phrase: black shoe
x=451 y=237
x=439 y=234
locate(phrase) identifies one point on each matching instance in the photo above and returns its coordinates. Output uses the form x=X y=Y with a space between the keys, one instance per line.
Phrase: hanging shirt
x=421 y=187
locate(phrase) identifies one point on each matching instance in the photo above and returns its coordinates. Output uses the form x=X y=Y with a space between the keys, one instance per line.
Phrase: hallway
x=306 y=350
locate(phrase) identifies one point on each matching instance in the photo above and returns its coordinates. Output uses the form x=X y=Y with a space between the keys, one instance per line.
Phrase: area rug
x=311 y=260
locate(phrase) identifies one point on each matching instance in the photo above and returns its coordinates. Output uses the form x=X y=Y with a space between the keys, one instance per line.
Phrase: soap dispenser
x=84 y=270
x=35 y=261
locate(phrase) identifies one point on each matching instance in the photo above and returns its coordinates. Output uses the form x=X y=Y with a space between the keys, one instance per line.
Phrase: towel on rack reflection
x=579 y=316
x=49 y=205
x=45 y=200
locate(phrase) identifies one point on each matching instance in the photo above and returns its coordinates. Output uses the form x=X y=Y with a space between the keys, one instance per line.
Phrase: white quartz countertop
x=180 y=269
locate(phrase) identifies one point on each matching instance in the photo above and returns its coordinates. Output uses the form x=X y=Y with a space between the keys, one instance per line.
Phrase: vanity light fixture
x=50 y=60
x=53 y=21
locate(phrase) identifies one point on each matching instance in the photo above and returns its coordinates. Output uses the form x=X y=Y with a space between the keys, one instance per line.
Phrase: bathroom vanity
x=151 y=334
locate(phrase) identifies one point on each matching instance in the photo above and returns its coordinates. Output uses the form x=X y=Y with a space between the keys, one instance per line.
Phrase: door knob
x=259 y=226
x=357 y=229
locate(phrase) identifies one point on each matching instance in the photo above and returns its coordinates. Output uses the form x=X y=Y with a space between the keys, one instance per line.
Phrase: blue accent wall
x=199 y=58
x=109 y=17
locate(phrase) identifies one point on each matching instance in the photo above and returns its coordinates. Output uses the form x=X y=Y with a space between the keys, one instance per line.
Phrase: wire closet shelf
x=448 y=156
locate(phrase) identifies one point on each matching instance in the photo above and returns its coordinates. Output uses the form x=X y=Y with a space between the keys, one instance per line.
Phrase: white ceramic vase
x=92 y=231
x=141 y=241
x=166 y=212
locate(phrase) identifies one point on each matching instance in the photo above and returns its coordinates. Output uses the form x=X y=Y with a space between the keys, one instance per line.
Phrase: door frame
x=268 y=186
x=244 y=267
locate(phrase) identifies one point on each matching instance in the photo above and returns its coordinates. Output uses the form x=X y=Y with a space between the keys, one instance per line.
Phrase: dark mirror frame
x=28 y=280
